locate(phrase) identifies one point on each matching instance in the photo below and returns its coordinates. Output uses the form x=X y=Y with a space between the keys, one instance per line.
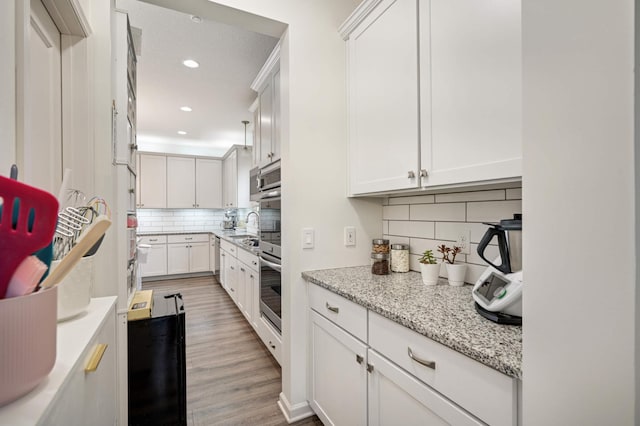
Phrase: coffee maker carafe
x=509 y=233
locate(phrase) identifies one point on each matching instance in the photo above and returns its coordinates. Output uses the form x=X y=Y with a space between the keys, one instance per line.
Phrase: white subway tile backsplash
x=427 y=221
x=411 y=229
x=492 y=211
x=395 y=212
x=178 y=220
x=438 y=212
x=514 y=194
x=416 y=199
x=495 y=195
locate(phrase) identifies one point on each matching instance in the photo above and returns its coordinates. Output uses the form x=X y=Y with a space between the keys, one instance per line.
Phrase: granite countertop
x=443 y=313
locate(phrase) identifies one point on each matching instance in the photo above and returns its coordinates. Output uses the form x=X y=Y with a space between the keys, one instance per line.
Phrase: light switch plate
x=349 y=236
x=308 y=238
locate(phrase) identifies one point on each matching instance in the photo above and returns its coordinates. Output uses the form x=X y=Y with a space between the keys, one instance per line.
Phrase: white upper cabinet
x=152 y=176
x=208 y=183
x=181 y=185
x=235 y=176
x=471 y=108
x=267 y=111
x=383 y=99
x=434 y=93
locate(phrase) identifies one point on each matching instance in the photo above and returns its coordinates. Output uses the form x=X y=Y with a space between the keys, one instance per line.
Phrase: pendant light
x=245 y=122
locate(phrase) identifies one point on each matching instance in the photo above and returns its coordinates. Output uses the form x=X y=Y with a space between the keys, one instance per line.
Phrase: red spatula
x=26 y=235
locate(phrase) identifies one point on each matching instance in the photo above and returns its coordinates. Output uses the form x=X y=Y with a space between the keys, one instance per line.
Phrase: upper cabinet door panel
x=208 y=183
x=383 y=99
x=266 y=123
x=471 y=79
x=181 y=189
x=153 y=181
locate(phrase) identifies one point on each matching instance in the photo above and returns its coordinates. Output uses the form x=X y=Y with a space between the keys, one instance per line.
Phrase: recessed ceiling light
x=190 y=63
x=182 y=132
x=196 y=19
x=186 y=109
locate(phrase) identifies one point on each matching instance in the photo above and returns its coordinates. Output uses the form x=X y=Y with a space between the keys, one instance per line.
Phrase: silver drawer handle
x=188 y=238
x=428 y=364
x=359 y=359
x=333 y=308
x=153 y=239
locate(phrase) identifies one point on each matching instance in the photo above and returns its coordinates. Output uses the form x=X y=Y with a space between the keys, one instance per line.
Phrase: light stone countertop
x=443 y=313
x=225 y=234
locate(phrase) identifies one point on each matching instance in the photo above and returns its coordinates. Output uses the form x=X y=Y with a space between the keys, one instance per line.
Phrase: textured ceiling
x=218 y=91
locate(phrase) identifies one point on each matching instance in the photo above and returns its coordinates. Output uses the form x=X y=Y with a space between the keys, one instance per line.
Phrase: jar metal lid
x=380 y=256
x=380 y=241
x=399 y=246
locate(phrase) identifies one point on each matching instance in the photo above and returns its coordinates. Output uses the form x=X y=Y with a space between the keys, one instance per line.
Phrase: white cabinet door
x=181 y=188
x=241 y=287
x=198 y=257
x=224 y=255
x=383 y=99
x=177 y=258
x=255 y=161
x=230 y=180
x=338 y=374
x=208 y=183
x=277 y=117
x=212 y=254
x=471 y=90
x=396 y=397
x=266 y=123
x=231 y=276
x=153 y=181
x=156 y=261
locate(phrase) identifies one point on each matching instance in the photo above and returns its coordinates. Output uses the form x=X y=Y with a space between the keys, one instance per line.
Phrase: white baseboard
x=294 y=413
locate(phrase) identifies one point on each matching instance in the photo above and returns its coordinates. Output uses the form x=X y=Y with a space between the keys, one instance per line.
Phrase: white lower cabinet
x=338 y=374
x=392 y=375
x=187 y=253
x=397 y=398
x=156 y=263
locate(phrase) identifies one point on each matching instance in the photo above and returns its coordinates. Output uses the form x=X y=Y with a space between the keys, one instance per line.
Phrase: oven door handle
x=271 y=264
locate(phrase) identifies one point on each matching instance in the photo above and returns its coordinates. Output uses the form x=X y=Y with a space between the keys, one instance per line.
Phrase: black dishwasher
x=157 y=364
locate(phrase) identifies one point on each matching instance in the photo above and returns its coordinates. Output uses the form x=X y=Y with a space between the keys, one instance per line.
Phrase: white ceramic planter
x=456 y=273
x=430 y=273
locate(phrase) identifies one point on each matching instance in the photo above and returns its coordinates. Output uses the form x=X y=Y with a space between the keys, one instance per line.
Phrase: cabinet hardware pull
x=251 y=275
x=272 y=345
x=411 y=174
x=153 y=239
x=222 y=254
x=359 y=359
x=428 y=364
x=232 y=289
x=131 y=190
x=188 y=238
x=242 y=269
x=96 y=357
x=333 y=308
x=232 y=268
x=423 y=173
x=255 y=263
x=369 y=368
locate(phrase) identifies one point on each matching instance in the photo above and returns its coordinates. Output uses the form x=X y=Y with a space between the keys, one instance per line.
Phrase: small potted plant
x=429 y=267
x=455 y=271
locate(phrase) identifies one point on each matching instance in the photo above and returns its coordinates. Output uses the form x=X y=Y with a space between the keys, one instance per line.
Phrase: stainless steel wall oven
x=270 y=251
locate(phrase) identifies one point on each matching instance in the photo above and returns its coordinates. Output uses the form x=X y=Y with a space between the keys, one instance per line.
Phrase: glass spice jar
x=380 y=246
x=399 y=257
x=380 y=263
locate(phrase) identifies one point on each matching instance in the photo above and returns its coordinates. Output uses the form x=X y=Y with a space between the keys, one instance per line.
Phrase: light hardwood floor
x=231 y=377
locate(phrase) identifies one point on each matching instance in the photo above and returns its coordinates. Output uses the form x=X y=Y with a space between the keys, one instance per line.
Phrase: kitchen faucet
x=257 y=215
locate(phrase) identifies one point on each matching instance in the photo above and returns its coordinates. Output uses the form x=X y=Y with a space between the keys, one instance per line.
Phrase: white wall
x=7 y=87
x=578 y=211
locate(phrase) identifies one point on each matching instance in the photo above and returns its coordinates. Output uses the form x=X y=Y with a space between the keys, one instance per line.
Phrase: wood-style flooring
x=232 y=379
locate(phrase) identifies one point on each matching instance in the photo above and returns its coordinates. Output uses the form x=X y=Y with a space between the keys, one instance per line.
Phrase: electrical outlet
x=464 y=240
x=349 y=236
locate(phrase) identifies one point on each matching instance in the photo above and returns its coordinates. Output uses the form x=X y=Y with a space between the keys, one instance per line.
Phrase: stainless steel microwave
x=254 y=184
x=269 y=177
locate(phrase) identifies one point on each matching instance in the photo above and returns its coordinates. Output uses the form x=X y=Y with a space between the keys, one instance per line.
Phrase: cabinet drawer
x=346 y=314
x=153 y=239
x=189 y=238
x=248 y=258
x=481 y=390
x=271 y=338
x=229 y=247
